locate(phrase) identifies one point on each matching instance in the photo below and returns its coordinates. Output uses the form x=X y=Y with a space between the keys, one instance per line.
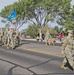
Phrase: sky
x=7 y=2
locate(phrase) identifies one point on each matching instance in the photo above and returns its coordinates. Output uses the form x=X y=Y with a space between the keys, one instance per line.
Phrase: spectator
x=60 y=37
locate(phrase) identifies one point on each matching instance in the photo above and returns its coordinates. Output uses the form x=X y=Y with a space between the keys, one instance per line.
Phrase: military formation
x=9 y=37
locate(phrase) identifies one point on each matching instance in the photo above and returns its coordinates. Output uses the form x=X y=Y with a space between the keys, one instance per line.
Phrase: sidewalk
x=43 y=40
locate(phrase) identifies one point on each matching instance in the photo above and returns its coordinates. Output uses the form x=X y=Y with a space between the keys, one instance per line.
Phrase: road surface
x=23 y=62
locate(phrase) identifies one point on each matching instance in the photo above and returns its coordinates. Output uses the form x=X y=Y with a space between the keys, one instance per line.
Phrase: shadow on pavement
x=11 y=69
x=28 y=68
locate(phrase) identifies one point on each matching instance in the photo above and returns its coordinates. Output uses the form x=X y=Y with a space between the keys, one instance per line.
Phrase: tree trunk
x=40 y=34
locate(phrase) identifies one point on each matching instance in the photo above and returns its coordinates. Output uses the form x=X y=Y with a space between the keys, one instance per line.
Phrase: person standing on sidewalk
x=67 y=48
x=60 y=37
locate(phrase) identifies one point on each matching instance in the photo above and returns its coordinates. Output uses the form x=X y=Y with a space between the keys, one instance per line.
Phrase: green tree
x=37 y=12
x=32 y=30
x=70 y=21
x=45 y=28
x=66 y=18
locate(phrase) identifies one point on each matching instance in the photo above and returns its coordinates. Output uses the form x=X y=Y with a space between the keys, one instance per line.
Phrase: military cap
x=70 y=31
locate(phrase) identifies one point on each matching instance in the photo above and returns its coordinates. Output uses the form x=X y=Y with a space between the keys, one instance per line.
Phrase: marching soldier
x=10 y=38
x=47 y=36
x=1 y=35
x=13 y=41
x=5 y=38
x=51 y=41
x=67 y=47
x=18 y=35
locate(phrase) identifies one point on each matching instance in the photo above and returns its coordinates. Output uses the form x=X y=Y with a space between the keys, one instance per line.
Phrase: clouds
x=72 y=2
x=5 y=3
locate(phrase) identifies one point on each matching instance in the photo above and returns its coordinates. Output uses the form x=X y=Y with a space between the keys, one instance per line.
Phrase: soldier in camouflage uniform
x=10 y=38
x=14 y=36
x=47 y=36
x=13 y=44
x=67 y=47
x=5 y=37
x=1 y=35
x=51 y=41
x=13 y=41
x=17 y=37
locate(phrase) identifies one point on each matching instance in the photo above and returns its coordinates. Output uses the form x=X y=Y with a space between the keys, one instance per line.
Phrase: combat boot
x=62 y=66
x=13 y=47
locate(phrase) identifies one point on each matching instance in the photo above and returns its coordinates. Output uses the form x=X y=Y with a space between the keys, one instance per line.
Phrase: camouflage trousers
x=4 y=40
x=68 y=58
x=51 y=41
x=11 y=43
x=0 y=38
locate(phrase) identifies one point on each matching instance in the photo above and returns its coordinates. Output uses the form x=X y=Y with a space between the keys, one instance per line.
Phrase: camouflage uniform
x=47 y=36
x=51 y=41
x=1 y=35
x=13 y=38
x=10 y=38
x=5 y=38
x=67 y=47
x=16 y=38
x=13 y=44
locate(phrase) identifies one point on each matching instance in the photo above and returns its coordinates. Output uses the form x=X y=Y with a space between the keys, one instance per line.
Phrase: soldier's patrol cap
x=70 y=31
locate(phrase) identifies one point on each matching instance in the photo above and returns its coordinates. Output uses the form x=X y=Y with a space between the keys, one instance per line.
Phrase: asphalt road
x=23 y=62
